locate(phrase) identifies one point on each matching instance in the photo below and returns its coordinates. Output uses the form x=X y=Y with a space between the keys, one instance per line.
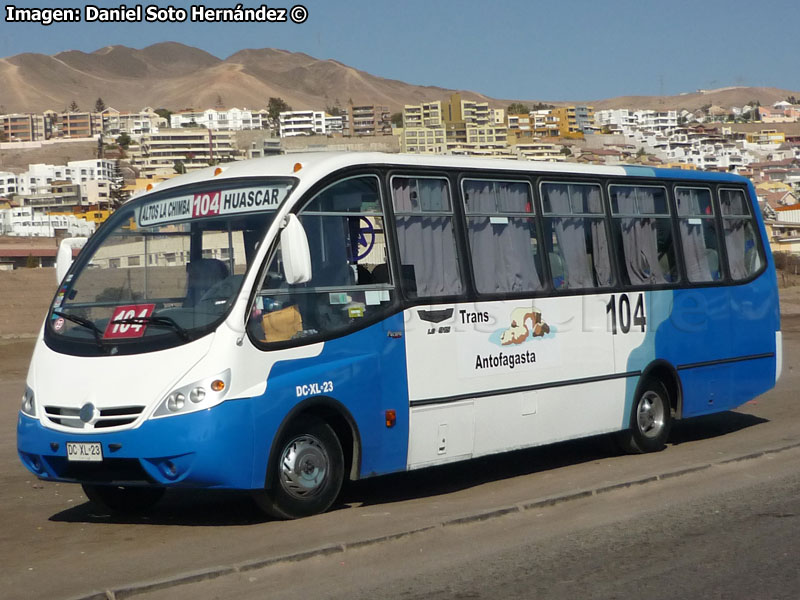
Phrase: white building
x=134 y=124
x=233 y=119
x=302 y=122
x=27 y=221
x=8 y=183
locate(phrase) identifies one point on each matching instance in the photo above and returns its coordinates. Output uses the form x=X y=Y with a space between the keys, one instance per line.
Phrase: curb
x=205 y=575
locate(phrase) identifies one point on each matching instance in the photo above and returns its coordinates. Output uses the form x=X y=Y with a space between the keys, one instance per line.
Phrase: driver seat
x=201 y=275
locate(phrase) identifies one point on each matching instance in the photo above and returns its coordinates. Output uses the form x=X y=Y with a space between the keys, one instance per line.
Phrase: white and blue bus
x=283 y=324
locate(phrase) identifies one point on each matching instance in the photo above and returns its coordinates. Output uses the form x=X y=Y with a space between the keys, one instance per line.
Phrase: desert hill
x=724 y=97
x=175 y=76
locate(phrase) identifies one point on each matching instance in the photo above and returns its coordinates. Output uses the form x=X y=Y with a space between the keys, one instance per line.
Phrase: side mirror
x=64 y=255
x=295 y=253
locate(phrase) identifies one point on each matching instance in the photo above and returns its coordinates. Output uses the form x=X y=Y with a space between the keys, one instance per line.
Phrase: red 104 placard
x=114 y=329
x=205 y=205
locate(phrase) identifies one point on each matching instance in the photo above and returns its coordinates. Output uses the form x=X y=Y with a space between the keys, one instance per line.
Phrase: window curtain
x=693 y=240
x=600 y=253
x=639 y=236
x=502 y=253
x=735 y=244
x=427 y=243
x=571 y=235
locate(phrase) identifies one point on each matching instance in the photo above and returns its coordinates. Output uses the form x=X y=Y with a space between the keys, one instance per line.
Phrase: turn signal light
x=217 y=385
x=217 y=171
x=149 y=186
x=391 y=417
x=297 y=167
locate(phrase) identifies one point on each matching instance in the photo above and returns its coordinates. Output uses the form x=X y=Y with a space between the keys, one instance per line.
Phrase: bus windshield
x=162 y=274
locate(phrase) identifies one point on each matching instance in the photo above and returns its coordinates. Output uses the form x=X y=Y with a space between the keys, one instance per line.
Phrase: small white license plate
x=84 y=451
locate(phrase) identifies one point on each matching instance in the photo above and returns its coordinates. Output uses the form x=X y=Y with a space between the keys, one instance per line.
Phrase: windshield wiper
x=156 y=321
x=98 y=335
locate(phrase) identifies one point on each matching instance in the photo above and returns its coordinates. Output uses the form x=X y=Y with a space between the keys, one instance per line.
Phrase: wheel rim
x=304 y=466
x=651 y=414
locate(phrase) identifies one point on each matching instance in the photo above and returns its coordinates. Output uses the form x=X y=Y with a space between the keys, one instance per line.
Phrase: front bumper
x=214 y=448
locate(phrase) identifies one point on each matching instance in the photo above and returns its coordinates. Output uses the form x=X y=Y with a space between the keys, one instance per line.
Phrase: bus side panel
x=364 y=371
x=716 y=338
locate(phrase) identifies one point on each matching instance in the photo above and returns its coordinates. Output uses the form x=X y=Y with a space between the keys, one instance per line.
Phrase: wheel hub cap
x=651 y=415
x=304 y=466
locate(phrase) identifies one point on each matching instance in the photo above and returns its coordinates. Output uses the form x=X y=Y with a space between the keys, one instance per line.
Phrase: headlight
x=199 y=395
x=28 y=403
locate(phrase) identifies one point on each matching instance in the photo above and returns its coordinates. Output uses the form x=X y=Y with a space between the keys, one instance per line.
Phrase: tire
x=123 y=499
x=309 y=471
x=650 y=420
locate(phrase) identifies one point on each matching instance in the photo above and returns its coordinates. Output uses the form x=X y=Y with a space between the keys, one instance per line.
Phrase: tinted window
x=643 y=232
x=501 y=230
x=575 y=236
x=425 y=235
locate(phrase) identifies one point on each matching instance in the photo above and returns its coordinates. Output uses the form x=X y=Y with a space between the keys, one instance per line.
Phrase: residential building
x=25 y=127
x=79 y=124
x=170 y=150
x=567 y=122
x=28 y=221
x=766 y=136
x=427 y=114
x=302 y=122
x=368 y=119
x=538 y=150
x=8 y=184
x=233 y=119
x=134 y=124
x=423 y=140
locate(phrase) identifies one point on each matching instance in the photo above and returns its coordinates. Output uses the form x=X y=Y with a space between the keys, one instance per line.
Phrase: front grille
x=109 y=417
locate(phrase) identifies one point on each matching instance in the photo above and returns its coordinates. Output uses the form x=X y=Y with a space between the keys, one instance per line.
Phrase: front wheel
x=650 y=420
x=309 y=471
x=123 y=499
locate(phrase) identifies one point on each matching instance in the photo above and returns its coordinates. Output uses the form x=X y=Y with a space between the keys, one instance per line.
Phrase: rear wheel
x=309 y=471
x=123 y=499
x=650 y=420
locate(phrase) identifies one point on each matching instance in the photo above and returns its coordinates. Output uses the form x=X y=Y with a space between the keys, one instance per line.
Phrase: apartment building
x=538 y=150
x=233 y=119
x=615 y=119
x=567 y=122
x=301 y=122
x=368 y=119
x=25 y=127
x=519 y=122
x=134 y=124
x=8 y=184
x=544 y=123
x=78 y=124
x=423 y=140
x=26 y=221
x=193 y=148
x=427 y=114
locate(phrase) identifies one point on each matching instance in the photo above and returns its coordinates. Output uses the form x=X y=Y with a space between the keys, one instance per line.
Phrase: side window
x=575 y=236
x=699 y=238
x=745 y=255
x=424 y=221
x=502 y=236
x=643 y=230
x=350 y=275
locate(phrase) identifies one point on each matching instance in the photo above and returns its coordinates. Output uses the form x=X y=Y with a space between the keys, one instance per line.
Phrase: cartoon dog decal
x=519 y=330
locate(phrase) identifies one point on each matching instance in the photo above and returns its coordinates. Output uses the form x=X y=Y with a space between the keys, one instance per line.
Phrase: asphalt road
x=730 y=531
x=53 y=544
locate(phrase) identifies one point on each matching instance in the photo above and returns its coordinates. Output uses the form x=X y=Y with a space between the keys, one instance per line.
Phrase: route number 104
x=619 y=307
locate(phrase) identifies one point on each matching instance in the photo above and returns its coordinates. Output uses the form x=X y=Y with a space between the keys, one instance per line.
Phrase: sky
x=522 y=50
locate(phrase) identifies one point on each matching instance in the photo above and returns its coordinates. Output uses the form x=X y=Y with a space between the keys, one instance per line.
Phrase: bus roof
x=315 y=165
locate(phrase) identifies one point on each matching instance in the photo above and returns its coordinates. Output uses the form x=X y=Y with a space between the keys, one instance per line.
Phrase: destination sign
x=212 y=204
